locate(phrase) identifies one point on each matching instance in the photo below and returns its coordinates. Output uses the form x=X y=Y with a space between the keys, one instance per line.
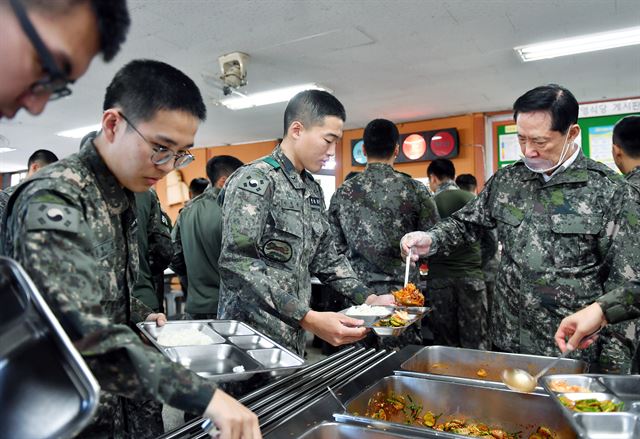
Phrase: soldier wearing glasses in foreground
x=47 y=45
x=73 y=228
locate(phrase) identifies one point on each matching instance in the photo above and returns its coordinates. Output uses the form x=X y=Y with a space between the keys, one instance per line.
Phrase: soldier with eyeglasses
x=73 y=228
x=47 y=45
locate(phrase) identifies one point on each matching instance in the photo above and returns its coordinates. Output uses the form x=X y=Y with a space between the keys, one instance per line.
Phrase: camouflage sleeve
x=59 y=258
x=467 y=224
x=622 y=304
x=334 y=223
x=178 y=263
x=242 y=270
x=139 y=311
x=428 y=214
x=4 y=198
x=159 y=235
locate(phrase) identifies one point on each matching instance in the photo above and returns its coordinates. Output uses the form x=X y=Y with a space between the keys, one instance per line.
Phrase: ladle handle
x=564 y=354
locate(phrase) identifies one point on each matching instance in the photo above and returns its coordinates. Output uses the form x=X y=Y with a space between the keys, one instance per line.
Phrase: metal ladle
x=522 y=381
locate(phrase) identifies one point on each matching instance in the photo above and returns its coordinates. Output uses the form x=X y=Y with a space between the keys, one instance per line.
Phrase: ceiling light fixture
x=79 y=133
x=582 y=44
x=6 y=149
x=268 y=97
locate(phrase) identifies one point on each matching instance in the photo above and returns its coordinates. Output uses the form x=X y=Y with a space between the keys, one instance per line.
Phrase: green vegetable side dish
x=591 y=405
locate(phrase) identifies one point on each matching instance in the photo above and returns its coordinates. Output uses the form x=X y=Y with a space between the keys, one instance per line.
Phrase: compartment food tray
x=236 y=351
x=624 y=424
x=415 y=313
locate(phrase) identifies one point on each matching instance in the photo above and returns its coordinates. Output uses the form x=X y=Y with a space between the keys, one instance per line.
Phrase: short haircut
x=221 y=166
x=467 y=182
x=442 y=168
x=380 y=138
x=43 y=157
x=142 y=88
x=198 y=186
x=112 y=17
x=554 y=99
x=310 y=107
x=626 y=134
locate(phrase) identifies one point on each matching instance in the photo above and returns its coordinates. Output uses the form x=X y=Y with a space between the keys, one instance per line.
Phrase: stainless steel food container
x=334 y=430
x=46 y=389
x=510 y=411
x=236 y=353
x=415 y=313
x=619 y=425
x=463 y=365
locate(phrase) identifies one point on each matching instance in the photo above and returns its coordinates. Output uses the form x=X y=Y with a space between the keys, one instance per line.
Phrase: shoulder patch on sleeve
x=253 y=182
x=52 y=216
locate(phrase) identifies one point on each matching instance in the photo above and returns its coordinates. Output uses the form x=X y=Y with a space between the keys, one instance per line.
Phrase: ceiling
x=403 y=60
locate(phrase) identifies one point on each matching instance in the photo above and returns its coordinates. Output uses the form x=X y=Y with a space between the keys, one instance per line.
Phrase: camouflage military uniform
x=72 y=227
x=456 y=285
x=369 y=214
x=197 y=238
x=275 y=235
x=4 y=199
x=559 y=252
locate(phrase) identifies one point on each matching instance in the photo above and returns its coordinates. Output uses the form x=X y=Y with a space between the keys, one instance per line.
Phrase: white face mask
x=542 y=166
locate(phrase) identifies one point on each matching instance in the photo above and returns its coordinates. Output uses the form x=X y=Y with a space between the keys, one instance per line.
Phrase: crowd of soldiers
x=90 y=232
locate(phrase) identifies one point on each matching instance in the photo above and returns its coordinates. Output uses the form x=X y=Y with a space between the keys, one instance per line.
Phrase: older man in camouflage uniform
x=276 y=234
x=559 y=218
x=73 y=229
x=371 y=212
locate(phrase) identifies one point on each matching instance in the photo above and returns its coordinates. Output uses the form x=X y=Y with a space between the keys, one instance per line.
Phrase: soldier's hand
x=381 y=300
x=419 y=241
x=234 y=420
x=334 y=328
x=157 y=317
x=579 y=325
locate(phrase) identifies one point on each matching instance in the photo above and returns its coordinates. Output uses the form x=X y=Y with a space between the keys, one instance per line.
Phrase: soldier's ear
x=110 y=122
x=295 y=129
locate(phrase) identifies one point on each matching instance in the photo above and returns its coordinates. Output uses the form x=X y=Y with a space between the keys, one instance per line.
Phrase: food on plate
x=482 y=373
x=409 y=296
x=398 y=319
x=591 y=405
x=238 y=369
x=563 y=387
x=367 y=310
x=183 y=337
x=392 y=407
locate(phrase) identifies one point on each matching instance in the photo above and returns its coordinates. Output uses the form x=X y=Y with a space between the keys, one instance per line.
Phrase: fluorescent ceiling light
x=79 y=133
x=6 y=149
x=268 y=97
x=582 y=44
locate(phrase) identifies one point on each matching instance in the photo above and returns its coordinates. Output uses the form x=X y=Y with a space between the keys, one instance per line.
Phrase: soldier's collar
x=635 y=173
x=117 y=197
x=296 y=179
x=576 y=172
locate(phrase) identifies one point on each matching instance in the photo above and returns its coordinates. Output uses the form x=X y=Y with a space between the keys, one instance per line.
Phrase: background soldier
x=371 y=212
x=558 y=216
x=456 y=282
x=72 y=227
x=276 y=234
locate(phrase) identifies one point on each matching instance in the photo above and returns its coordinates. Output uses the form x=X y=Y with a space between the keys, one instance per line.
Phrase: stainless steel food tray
x=234 y=346
x=620 y=425
x=415 y=313
x=46 y=388
x=463 y=365
x=511 y=411
x=335 y=430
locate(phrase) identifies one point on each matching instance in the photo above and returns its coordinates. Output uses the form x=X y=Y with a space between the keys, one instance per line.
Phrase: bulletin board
x=596 y=121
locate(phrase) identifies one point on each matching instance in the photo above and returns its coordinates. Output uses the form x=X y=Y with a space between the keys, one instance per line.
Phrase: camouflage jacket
x=196 y=241
x=154 y=245
x=275 y=236
x=560 y=248
x=73 y=228
x=623 y=303
x=370 y=213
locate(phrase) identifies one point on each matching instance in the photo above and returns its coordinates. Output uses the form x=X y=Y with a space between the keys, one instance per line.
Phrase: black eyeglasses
x=162 y=154
x=56 y=81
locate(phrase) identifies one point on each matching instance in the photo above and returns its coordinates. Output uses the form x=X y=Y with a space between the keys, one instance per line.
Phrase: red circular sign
x=442 y=144
x=414 y=146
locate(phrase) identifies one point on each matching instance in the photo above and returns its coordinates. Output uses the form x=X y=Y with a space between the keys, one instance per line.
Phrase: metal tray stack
x=511 y=411
x=463 y=365
x=236 y=353
x=617 y=388
x=46 y=389
x=415 y=313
